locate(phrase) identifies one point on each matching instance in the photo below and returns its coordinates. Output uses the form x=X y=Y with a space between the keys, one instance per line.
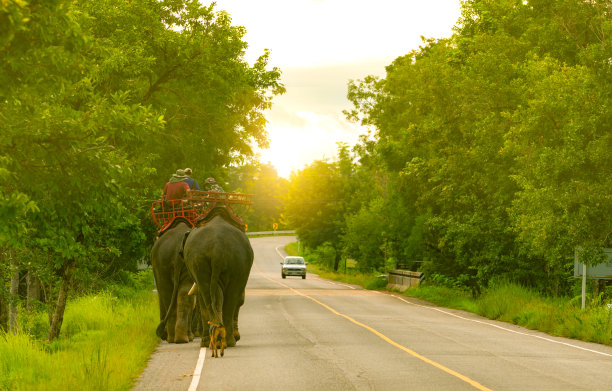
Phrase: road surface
x=316 y=334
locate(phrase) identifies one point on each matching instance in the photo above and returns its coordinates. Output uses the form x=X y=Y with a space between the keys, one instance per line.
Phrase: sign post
x=584 y=272
x=602 y=271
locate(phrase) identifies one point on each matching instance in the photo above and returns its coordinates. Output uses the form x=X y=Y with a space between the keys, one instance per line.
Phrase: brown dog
x=217 y=339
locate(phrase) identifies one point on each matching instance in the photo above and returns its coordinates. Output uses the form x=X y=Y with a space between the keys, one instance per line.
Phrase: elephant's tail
x=175 y=279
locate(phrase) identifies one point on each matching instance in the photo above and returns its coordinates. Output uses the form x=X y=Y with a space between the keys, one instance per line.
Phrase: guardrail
x=271 y=233
x=404 y=279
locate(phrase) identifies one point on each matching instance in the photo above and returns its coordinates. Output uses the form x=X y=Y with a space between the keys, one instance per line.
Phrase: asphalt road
x=316 y=334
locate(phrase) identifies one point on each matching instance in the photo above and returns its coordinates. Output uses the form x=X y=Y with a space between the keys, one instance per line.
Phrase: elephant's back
x=169 y=243
x=219 y=239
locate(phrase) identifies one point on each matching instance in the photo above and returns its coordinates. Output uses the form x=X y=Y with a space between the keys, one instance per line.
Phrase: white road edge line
x=337 y=283
x=278 y=252
x=198 y=371
x=504 y=328
x=334 y=283
x=485 y=323
x=488 y=324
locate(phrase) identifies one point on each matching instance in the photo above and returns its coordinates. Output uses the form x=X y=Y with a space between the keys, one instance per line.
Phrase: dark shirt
x=193 y=184
x=175 y=191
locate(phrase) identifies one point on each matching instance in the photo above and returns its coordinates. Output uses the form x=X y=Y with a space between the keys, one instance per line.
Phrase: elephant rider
x=211 y=185
x=192 y=182
x=175 y=188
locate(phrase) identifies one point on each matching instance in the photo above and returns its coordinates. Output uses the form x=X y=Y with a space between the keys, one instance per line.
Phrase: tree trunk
x=14 y=295
x=3 y=311
x=33 y=290
x=337 y=260
x=3 y=296
x=60 y=307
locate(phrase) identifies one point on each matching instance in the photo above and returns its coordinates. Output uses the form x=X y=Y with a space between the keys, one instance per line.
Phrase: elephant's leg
x=191 y=302
x=228 y=320
x=163 y=299
x=196 y=318
x=235 y=320
x=184 y=305
x=171 y=321
x=171 y=326
x=190 y=326
x=204 y=318
x=221 y=311
x=215 y=305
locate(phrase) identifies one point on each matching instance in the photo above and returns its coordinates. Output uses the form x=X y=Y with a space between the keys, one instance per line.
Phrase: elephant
x=173 y=283
x=219 y=256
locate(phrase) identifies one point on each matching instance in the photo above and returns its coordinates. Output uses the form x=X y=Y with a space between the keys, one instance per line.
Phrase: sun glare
x=285 y=151
x=293 y=147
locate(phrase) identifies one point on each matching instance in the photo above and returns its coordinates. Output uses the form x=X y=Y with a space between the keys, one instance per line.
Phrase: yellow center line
x=466 y=379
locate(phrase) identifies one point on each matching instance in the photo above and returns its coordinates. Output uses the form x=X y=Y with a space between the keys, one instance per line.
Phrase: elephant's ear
x=183 y=244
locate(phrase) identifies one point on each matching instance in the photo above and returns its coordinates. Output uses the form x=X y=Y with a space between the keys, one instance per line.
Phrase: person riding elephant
x=173 y=282
x=219 y=256
x=176 y=188
x=192 y=182
x=210 y=184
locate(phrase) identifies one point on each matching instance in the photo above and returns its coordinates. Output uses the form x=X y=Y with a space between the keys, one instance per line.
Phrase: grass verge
x=104 y=344
x=522 y=306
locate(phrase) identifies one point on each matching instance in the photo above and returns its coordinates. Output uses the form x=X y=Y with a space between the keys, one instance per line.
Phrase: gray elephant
x=173 y=283
x=219 y=256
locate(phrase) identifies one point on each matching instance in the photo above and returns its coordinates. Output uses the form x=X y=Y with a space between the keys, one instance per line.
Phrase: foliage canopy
x=493 y=145
x=96 y=97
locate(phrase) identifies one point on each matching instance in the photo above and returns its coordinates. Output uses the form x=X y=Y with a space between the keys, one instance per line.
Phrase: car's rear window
x=294 y=261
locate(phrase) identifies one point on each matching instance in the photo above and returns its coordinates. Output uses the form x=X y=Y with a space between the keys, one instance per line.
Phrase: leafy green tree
x=564 y=164
x=315 y=206
x=364 y=235
x=268 y=191
x=492 y=149
x=185 y=61
x=95 y=96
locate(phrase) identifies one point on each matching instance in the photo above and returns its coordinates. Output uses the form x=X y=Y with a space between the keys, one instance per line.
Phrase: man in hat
x=211 y=185
x=193 y=184
x=175 y=188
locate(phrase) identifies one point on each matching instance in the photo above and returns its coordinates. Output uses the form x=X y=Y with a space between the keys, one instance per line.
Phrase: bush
x=379 y=282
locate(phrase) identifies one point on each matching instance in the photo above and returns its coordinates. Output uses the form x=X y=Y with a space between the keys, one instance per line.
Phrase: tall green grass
x=104 y=345
x=522 y=306
x=556 y=316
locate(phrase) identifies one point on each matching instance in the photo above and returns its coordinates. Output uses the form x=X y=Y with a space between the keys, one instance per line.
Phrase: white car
x=293 y=266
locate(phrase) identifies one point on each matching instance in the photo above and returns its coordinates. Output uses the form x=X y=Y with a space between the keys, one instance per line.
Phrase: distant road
x=288 y=232
x=316 y=334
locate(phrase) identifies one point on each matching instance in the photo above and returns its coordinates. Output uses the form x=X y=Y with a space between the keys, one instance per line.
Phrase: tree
x=95 y=95
x=315 y=206
x=267 y=189
x=492 y=149
x=564 y=164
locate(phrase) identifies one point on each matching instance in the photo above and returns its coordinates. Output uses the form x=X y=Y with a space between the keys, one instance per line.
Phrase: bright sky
x=319 y=45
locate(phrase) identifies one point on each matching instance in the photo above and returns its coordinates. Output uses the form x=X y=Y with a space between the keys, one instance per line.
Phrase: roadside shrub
x=34 y=323
x=445 y=281
x=324 y=255
x=377 y=283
